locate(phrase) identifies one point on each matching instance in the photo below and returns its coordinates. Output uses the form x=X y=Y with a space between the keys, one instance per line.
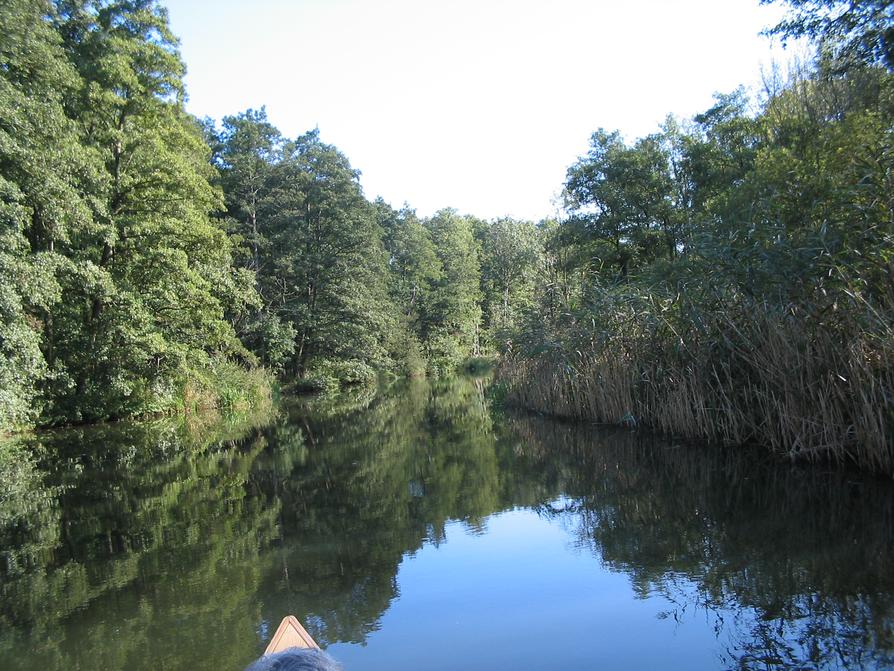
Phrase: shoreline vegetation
x=767 y=378
x=729 y=277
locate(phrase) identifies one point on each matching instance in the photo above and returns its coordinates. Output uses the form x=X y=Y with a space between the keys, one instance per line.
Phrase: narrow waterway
x=416 y=528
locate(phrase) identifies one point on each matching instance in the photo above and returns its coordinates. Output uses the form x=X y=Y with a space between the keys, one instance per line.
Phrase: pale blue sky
x=479 y=105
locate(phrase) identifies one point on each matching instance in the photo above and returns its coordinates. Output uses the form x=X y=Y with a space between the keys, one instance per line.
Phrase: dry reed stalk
x=801 y=390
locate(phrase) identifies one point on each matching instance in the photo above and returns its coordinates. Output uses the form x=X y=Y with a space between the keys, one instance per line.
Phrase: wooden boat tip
x=290 y=634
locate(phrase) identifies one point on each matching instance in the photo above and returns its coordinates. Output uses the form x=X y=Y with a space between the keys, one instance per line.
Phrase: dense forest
x=729 y=277
x=152 y=261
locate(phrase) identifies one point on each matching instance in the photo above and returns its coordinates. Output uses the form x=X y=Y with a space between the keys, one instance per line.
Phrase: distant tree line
x=350 y=286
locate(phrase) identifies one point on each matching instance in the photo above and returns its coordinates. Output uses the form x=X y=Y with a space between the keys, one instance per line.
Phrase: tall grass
x=228 y=387
x=802 y=383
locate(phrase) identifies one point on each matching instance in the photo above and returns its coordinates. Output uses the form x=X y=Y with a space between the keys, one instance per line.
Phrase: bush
x=224 y=385
x=326 y=375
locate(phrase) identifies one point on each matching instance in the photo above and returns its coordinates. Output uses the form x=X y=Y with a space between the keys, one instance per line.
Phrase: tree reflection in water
x=793 y=564
x=172 y=545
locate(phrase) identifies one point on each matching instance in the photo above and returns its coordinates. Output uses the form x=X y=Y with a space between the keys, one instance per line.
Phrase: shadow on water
x=164 y=545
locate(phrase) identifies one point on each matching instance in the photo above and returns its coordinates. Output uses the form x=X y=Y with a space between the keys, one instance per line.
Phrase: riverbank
x=222 y=388
x=804 y=386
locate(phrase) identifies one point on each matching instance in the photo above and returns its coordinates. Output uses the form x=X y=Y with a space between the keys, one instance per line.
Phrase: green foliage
x=478 y=366
x=618 y=197
x=314 y=244
x=117 y=287
x=849 y=33
x=223 y=385
x=22 y=364
x=147 y=254
x=771 y=300
x=248 y=148
x=415 y=268
x=510 y=253
x=246 y=153
x=42 y=168
x=151 y=262
x=155 y=278
x=325 y=273
x=451 y=329
x=326 y=375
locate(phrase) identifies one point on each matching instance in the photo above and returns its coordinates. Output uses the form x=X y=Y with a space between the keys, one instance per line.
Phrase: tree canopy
x=849 y=32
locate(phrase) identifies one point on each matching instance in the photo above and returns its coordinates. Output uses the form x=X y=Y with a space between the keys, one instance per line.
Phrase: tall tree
x=452 y=328
x=510 y=254
x=412 y=260
x=155 y=273
x=619 y=198
x=414 y=270
x=848 y=32
x=249 y=149
x=327 y=269
x=44 y=210
x=720 y=154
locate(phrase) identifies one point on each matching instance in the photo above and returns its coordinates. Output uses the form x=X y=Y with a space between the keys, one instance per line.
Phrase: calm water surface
x=417 y=529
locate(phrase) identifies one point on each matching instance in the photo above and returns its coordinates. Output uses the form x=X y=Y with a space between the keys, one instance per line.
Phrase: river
x=417 y=528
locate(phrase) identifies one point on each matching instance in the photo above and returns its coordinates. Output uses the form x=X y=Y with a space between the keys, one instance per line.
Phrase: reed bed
x=775 y=376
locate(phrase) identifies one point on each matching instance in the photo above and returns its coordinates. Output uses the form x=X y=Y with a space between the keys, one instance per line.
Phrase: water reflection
x=793 y=565
x=171 y=545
